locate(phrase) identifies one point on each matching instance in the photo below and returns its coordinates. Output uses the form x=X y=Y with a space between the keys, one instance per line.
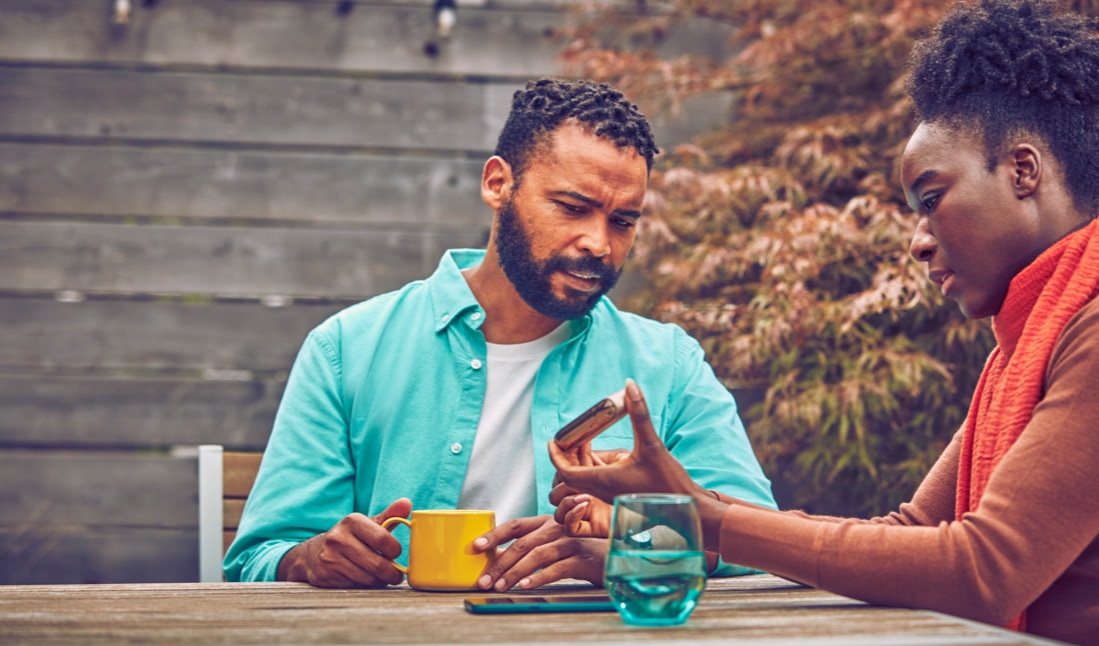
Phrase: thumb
x=644 y=435
x=400 y=507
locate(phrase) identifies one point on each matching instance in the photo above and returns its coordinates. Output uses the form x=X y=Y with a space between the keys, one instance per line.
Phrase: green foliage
x=781 y=242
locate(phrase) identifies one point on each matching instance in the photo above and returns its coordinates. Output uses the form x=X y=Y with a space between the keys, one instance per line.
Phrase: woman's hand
x=582 y=515
x=650 y=468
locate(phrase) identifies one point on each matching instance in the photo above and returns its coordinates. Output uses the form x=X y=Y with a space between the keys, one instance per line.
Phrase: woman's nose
x=923 y=243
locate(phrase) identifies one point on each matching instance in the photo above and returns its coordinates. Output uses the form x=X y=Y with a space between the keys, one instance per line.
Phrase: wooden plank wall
x=181 y=199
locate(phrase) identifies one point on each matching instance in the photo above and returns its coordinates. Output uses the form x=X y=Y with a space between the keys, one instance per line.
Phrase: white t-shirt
x=501 y=469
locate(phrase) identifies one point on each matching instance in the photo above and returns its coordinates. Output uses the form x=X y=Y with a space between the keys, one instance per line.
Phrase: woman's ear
x=1027 y=168
x=496 y=182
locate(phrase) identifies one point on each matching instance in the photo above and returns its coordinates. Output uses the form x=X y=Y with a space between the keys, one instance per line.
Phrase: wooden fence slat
x=226 y=261
x=252 y=108
x=142 y=412
x=298 y=35
x=149 y=335
x=310 y=187
x=70 y=488
x=66 y=554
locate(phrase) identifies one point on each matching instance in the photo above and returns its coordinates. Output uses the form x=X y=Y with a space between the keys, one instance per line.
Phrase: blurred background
x=188 y=186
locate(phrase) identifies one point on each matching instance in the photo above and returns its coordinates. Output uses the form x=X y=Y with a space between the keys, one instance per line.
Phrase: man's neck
x=508 y=318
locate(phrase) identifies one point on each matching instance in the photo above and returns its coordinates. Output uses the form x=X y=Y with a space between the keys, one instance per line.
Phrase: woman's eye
x=930 y=202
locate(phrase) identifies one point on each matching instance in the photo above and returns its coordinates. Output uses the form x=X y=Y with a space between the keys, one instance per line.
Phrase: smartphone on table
x=593 y=421
x=504 y=604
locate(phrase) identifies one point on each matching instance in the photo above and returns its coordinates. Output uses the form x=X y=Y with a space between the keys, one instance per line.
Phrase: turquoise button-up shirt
x=384 y=398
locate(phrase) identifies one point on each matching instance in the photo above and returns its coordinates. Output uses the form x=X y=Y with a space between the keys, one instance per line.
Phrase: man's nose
x=595 y=240
x=923 y=243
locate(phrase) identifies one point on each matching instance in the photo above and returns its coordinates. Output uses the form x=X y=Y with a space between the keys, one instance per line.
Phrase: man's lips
x=583 y=281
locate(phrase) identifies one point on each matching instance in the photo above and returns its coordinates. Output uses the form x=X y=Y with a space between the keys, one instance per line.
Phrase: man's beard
x=533 y=279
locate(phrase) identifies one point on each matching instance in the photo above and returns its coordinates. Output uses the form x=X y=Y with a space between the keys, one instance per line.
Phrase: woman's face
x=978 y=226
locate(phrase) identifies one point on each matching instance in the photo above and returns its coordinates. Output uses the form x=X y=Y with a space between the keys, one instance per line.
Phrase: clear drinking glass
x=656 y=569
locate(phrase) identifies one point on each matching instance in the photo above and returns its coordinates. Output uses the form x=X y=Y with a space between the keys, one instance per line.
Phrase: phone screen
x=548 y=603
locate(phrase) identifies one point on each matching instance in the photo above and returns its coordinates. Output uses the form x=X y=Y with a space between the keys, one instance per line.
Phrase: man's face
x=563 y=236
x=975 y=232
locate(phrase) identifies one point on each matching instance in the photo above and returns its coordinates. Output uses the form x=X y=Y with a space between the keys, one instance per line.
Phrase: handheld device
x=550 y=603
x=593 y=421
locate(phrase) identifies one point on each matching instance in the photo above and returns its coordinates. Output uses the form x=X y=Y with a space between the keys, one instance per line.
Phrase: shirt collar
x=450 y=293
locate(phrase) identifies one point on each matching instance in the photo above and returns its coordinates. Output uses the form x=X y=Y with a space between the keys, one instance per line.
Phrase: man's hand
x=541 y=553
x=355 y=553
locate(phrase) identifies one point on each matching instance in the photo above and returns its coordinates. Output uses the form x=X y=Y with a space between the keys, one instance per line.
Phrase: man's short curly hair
x=546 y=104
x=1004 y=67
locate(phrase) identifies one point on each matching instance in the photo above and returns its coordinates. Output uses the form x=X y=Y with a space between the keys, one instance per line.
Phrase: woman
x=1003 y=171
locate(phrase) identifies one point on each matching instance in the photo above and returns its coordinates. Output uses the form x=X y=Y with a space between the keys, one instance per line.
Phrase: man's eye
x=571 y=208
x=930 y=202
x=625 y=223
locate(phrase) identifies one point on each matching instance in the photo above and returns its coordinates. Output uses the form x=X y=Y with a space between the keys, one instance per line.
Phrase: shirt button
x=476 y=316
x=456 y=448
x=446 y=317
x=475 y=364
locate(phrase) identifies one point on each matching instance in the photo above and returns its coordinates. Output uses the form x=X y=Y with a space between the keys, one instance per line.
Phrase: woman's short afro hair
x=1006 y=67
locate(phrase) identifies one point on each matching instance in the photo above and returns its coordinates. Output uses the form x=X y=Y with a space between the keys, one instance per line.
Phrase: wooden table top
x=760 y=609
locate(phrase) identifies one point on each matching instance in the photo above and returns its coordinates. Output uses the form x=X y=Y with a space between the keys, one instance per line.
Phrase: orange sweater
x=1032 y=544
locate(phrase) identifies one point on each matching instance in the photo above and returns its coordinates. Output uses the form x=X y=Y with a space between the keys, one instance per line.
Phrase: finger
x=577 y=524
x=372 y=535
x=400 y=507
x=584 y=455
x=527 y=537
x=508 y=531
x=567 y=505
x=552 y=572
x=525 y=560
x=559 y=492
x=644 y=435
x=579 y=560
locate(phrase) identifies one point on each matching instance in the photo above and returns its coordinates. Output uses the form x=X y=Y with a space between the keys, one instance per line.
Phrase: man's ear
x=1027 y=170
x=496 y=182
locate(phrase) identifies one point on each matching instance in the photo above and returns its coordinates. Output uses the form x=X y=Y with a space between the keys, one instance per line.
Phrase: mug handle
x=389 y=522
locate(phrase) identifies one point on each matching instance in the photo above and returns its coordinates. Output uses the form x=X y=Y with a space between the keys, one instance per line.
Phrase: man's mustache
x=589 y=265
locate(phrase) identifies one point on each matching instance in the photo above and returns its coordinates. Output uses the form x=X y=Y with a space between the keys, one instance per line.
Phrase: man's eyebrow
x=596 y=204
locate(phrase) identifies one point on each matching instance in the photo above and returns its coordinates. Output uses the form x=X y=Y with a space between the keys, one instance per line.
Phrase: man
x=442 y=394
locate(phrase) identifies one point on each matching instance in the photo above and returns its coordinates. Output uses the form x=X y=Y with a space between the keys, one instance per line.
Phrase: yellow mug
x=440 y=549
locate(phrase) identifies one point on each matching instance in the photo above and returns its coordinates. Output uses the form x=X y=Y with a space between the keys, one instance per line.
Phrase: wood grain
x=239 y=185
x=252 y=108
x=104 y=411
x=147 y=336
x=760 y=610
x=225 y=261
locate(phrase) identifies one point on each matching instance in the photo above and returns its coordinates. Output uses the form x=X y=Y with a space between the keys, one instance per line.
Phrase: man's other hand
x=356 y=553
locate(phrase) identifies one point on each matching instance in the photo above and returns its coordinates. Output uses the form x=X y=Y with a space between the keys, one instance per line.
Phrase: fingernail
x=480 y=543
x=524 y=583
x=632 y=391
x=581 y=505
x=484 y=582
x=501 y=585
